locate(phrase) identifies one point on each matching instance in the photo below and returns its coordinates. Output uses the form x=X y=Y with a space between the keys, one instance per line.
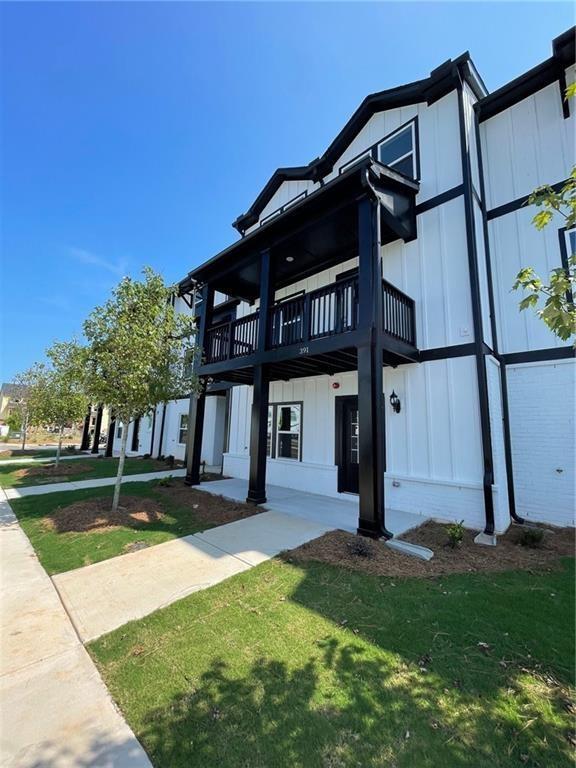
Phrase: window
x=398 y=151
x=284 y=434
x=183 y=430
x=570 y=240
x=288 y=431
x=119 y=431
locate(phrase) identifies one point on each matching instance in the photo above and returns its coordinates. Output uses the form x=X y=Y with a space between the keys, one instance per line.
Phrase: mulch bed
x=64 y=470
x=95 y=514
x=341 y=548
x=206 y=507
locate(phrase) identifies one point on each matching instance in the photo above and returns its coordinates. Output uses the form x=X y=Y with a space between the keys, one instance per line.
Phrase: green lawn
x=29 y=453
x=11 y=477
x=313 y=666
x=64 y=551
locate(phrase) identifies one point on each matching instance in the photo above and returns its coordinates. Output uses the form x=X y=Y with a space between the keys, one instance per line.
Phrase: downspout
x=488 y=476
x=497 y=355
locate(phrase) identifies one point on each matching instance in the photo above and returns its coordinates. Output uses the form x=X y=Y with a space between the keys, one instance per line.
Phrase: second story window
x=398 y=151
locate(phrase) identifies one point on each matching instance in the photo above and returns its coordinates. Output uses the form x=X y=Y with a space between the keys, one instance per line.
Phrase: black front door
x=347 y=443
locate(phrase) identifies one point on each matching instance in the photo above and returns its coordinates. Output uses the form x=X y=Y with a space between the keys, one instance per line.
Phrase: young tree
x=558 y=310
x=20 y=407
x=56 y=394
x=137 y=344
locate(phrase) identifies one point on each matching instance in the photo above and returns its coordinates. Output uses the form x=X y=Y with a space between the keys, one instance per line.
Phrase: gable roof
x=441 y=81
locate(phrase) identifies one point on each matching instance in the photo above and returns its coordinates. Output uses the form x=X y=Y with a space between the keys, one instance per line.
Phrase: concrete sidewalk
x=55 y=710
x=38 y=490
x=103 y=596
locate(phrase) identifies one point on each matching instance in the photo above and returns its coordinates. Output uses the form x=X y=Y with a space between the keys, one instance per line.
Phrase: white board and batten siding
x=524 y=147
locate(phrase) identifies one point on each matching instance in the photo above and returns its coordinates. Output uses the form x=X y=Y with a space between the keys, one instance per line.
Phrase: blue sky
x=134 y=134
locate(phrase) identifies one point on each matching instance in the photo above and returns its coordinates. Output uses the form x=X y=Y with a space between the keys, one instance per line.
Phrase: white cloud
x=118 y=268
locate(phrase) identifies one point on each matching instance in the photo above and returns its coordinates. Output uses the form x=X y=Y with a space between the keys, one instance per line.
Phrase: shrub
x=170 y=460
x=531 y=537
x=455 y=533
x=163 y=482
x=146 y=456
x=70 y=449
x=361 y=547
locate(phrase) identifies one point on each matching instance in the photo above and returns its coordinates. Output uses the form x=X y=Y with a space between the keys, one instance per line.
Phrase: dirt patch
x=62 y=471
x=206 y=507
x=95 y=515
x=341 y=548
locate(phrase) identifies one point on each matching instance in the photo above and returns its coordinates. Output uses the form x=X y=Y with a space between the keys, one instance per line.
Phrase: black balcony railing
x=327 y=311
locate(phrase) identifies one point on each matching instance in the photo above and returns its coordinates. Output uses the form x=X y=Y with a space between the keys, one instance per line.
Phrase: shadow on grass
x=454 y=689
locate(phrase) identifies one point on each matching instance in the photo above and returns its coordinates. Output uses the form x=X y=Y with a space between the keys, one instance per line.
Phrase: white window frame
x=119 y=429
x=182 y=429
x=273 y=435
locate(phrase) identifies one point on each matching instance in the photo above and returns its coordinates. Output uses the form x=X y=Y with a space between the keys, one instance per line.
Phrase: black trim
x=446 y=353
x=515 y=205
x=162 y=423
x=136 y=433
x=97 y=430
x=153 y=430
x=564 y=256
x=340 y=401
x=444 y=197
x=493 y=327
x=549 y=71
x=440 y=82
x=274 y=433
x=372 y=150
x=539 y=355
x=483 y=398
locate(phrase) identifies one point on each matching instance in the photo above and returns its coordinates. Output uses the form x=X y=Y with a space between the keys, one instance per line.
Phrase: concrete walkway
x=55 y=710
x=333 y=512
x=45 y=459
x=38 y=490
x=103 y=596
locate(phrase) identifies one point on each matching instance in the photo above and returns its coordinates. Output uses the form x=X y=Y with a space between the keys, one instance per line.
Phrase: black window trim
x=565 y=254
x=372 y=150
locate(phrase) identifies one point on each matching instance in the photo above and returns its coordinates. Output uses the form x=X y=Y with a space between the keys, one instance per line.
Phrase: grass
x=29 y=453
x=313 y=666
x=60 y=552
x=9 y=477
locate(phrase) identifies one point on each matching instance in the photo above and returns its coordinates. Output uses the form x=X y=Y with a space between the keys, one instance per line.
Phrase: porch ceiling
x=315 y=233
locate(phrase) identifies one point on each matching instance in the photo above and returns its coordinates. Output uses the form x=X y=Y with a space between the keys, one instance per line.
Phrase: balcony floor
x=330 y=511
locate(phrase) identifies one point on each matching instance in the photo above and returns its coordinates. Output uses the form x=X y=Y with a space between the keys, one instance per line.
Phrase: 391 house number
x=304 y=350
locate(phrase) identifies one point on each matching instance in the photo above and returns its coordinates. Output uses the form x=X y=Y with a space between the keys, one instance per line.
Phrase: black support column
x=198 y=399
x=371 y=440
x=85 y=443
x=97 y=430
x=135 y=434
x=110 y=440
x=261 y=391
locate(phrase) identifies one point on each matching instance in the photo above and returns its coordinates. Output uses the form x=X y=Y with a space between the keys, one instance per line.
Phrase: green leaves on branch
x=553 y=301
x=137 y=345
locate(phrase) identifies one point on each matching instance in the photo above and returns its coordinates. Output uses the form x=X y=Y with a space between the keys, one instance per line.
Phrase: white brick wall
x=542 y=406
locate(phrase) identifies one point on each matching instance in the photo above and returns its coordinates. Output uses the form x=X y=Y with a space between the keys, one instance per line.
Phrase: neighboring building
x=377 y=348
x=10 y=394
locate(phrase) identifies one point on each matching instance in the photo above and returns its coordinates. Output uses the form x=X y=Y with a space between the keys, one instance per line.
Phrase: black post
x=97 y=430
x=261 y=391
x=195 y=433
x=110 y=440
x=371 y=439
x=198 y=400
x=135 y=434
x=162 y=424
x=153 y=431
x=85 y=443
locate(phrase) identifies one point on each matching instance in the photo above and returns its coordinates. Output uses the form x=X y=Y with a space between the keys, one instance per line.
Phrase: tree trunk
x=24 y=430
x=59 y=449
x=123 y=444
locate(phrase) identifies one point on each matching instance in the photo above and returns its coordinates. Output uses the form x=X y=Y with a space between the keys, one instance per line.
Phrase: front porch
x=326 y=510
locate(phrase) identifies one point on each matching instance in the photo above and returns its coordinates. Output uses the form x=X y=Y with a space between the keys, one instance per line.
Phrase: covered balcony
x=361 y=322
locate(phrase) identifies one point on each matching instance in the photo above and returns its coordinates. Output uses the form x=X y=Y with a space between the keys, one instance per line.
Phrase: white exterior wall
x=527 y=145
x=542 y=404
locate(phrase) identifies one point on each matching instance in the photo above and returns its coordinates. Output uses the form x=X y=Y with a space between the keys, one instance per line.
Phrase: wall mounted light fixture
x=395 y=402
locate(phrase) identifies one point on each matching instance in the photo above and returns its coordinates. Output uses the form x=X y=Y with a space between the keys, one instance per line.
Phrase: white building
x=376 y=347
